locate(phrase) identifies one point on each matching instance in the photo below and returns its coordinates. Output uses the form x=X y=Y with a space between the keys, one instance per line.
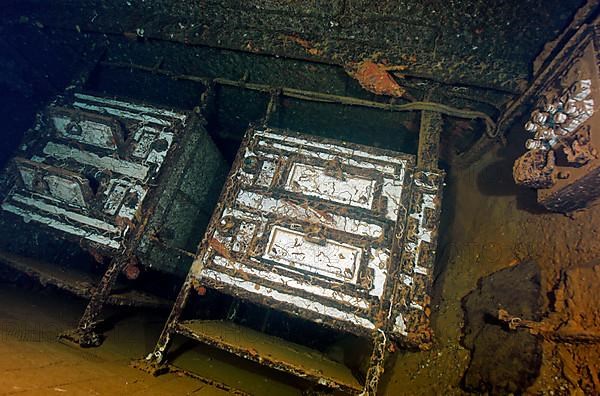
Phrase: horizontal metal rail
x=314 y=96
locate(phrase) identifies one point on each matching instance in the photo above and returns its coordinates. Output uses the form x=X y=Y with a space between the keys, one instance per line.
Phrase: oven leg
x=85 y=334
x=376 y=364
x=155 y=361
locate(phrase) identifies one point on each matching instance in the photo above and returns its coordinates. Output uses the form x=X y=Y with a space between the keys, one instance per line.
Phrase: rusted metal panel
x=272 y=351
x=562 y=161
x=410 y=307
x=429 y=139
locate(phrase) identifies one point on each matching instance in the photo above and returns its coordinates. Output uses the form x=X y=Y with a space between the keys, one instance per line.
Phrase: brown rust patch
x=375 y=77
x=219 y=248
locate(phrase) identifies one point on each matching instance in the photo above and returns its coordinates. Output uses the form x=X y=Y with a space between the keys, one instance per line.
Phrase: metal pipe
x=321 y=97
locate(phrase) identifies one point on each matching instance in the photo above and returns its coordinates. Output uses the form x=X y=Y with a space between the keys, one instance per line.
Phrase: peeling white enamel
x=60 y=226
x=126 y=168
x=27 y=177
x=311 y=224
x=328 y=258
x=243 y=237
x=392 y=190
x=137 y=194
x=419 y=183
x=88 y=152
x=297 y=301
x=378 y=262
x=245 y=177
x=123 y=114
x=330 y=157
x=423 y=234
x=37 y=158
x=89 y=132
x=66 y=190
x=400 y=325
x=158 y=156
x=407 y=280
x=267 y=172
x=313 y=181
x=132 y=106
x=293 y=283
x=115 y=193
x=331 y=147
x=57 y=211
x=144 y=137
x=288 y=209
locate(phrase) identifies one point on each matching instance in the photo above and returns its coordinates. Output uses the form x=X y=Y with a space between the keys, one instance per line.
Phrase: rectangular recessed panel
x=345 y=189
x=321 y=256
x=85 y=131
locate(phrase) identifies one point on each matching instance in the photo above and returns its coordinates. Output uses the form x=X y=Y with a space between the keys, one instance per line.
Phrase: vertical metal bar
x=85 y=334
x=429 y=140
x=272 y=106
x=158 y=355
x=376 y=364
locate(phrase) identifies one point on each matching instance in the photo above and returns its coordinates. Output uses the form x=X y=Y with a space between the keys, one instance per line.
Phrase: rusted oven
x=128 y=182
x=338 y=234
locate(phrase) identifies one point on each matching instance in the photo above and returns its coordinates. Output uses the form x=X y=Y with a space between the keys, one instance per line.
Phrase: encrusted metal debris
x=340 y=234
x=562 y=161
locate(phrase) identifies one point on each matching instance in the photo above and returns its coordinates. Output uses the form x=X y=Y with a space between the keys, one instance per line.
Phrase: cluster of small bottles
x=561 y=116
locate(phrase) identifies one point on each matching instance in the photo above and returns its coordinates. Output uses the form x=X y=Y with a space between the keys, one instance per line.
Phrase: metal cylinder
x=581 y=89
x=531 y=126
x=560 y=117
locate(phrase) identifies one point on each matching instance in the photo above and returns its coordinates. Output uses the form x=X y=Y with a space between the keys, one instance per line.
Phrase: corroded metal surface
x=564 y=126
x=535 y=169
x=339 y=234
x=467 y=43
x=79 y=283
x=307 y=226
x=429 y=139
x=272 y=351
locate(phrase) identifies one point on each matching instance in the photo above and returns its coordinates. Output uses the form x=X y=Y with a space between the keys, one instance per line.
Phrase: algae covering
x=466 y=42
x=185 y=204
x=98 y=171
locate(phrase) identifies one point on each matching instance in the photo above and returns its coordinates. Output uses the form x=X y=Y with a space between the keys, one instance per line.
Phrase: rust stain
x=307 y=45
x=132 y=270
x=221 y=249
x=375 y=77
x=201 y=290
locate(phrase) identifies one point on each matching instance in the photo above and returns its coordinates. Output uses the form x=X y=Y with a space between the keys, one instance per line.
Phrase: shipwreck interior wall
x=470 y=55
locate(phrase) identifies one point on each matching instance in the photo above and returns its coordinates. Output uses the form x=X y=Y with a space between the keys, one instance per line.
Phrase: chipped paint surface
x=84 y=144
x=324 y=257
x=313 y=181
x=313 y=227
x=410 y=313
